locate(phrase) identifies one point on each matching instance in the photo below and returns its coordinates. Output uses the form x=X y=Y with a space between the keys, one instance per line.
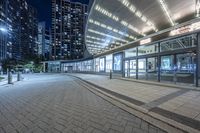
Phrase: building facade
x=29 y=30
x=18 y=23
x=172 y=60
x=6 y=29
x=44 y=41
x=68 y=24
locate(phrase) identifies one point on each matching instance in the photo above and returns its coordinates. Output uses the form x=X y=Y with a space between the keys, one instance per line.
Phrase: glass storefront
x=172 y=61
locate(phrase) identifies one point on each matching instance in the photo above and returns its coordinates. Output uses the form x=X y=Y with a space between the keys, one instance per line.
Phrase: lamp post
x=3 y=46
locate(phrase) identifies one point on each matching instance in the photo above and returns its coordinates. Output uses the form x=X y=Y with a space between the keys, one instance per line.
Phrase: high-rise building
x=29 y=27
x=18 y=30
x=6 y=29
x=44 y=41
x=68 y=24
x=48 y=45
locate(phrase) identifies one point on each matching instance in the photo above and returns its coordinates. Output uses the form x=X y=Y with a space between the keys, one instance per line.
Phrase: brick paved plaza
x=55 y=103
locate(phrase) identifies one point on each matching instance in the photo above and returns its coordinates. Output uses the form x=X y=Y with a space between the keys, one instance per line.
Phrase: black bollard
x=18 y=76
x=9 y=77
x=110 y=74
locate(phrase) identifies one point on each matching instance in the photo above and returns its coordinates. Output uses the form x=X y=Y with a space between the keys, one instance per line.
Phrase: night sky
x=44 y=9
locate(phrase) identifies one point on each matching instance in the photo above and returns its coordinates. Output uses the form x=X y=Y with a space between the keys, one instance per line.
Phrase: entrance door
x=142 y=70
x=133 y=68
x=152 y=70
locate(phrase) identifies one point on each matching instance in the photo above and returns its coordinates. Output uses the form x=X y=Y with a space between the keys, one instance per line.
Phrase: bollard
x=110 y=74
x=9 y=78
x=18 y=76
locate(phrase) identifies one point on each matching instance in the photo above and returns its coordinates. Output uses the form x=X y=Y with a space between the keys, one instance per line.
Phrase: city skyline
x=44 y=14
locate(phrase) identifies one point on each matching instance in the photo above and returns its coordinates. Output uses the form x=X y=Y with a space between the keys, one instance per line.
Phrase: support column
x=159 y=63
x=197 y=71
x=137 y=63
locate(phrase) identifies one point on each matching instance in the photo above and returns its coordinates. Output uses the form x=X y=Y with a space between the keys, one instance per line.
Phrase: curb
x=160 y=84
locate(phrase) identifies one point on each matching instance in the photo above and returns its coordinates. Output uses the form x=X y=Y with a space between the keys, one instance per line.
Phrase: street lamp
x=4 y=30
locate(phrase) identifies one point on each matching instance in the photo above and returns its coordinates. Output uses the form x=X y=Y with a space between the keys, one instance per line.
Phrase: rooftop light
x=197 y=8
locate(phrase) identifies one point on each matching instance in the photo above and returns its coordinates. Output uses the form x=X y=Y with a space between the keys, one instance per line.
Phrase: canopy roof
x=113 y=23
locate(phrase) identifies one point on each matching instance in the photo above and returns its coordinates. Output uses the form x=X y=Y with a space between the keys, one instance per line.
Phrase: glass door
x=142 y=69
x=152 y=71
x=133 y=68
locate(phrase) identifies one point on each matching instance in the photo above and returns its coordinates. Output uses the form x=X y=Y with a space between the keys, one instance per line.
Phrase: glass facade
x=185 y=68
x=150 y=62
x=130 y=52
x=178 y=43
x=151 y=49
x=167 y=68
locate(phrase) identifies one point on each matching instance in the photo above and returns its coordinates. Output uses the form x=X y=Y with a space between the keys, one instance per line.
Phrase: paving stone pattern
x=58 y=104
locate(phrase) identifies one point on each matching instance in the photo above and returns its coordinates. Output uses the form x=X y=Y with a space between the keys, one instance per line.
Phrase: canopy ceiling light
x=107 y=13
x=103 y=34
x=166 y=10
x=138 y=13
x=123 y=22
x=111 y=29
x=197 y=8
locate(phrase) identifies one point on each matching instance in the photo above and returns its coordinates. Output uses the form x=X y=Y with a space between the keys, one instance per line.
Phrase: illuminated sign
x=145 y=41
x=185 y=29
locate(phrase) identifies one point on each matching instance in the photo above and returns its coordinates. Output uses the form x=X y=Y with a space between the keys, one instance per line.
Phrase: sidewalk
x=173 y=105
